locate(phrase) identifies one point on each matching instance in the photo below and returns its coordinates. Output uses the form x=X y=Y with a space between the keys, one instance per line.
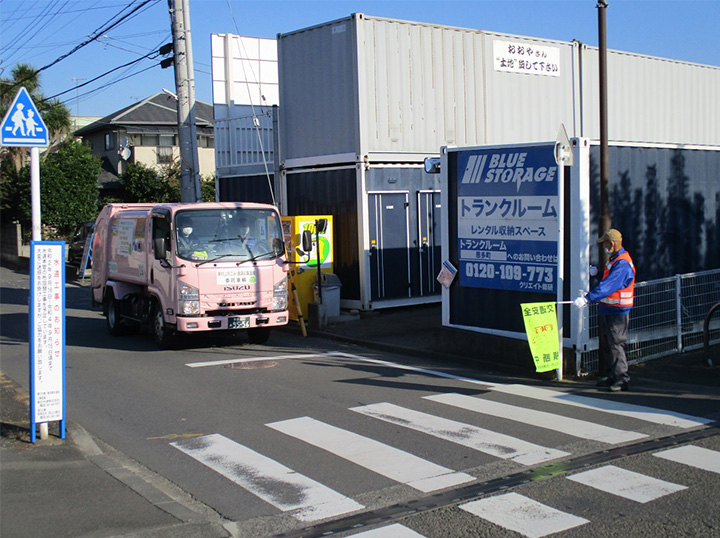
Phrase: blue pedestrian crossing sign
x=22 y=125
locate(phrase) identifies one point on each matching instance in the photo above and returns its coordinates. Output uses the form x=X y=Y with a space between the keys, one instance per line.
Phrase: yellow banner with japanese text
x=541 y=326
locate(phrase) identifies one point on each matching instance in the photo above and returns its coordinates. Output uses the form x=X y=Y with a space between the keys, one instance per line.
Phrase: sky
x=97 y=77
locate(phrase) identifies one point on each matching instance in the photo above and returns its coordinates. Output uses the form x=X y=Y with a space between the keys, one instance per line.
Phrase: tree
x=144 y=184
x=141 y=184
x=207 y=188
x=68 y=186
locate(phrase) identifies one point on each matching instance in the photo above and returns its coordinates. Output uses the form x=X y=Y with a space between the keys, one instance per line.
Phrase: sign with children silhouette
x=22 y=125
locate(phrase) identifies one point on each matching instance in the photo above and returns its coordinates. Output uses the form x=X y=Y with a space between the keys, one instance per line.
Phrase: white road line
x=523 y=515
x=280 y=486
x=257 y=359
x=489 y=442
x=391 y=531
x=416 y=369
x=385 y=460
x=695 y=456
x=648 y=414
x=550 y=421
x=628 y=484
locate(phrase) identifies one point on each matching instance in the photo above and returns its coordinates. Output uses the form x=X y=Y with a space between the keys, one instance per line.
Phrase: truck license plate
x=239 y=323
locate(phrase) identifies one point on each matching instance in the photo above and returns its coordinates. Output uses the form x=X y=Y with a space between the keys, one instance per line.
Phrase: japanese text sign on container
x=541 y=326
x=47 y=334
x=527 y=58
x=508 y=218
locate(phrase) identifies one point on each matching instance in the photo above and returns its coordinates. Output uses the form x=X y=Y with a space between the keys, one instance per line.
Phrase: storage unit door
x=429 y=208
x=389 y=245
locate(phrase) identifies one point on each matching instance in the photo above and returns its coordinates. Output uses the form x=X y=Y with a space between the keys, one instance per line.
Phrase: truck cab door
x=161 y=269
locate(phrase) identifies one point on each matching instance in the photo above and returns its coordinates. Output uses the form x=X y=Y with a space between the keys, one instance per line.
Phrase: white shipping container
x=395 y=91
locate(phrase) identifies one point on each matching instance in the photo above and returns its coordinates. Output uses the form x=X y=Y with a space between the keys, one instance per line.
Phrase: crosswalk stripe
x=695 y=456
x=628 y=484
x=280 y=486
x=523 y=515
x=391 y=531
x=385 y=460
x=487 y=441
x=648 y=414
x=533 y=417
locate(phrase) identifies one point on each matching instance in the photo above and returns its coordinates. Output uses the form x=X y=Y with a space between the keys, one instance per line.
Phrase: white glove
x=580 y=302
x=593 y=270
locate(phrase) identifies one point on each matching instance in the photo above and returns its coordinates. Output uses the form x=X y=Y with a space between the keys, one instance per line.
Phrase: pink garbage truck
x=187 y=268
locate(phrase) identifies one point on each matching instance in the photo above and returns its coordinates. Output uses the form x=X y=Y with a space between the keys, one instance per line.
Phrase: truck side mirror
x=159 y=248
x=307 y=240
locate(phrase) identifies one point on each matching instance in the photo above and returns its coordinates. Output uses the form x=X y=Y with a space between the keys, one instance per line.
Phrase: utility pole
x=185 y=89
x=605 y=222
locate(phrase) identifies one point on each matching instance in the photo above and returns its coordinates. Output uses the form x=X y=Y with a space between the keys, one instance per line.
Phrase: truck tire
x=162 y=334
x=114 y=320
x=259 y=335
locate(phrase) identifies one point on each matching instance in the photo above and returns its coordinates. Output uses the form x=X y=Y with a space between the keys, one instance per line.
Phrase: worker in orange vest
x=614 y=295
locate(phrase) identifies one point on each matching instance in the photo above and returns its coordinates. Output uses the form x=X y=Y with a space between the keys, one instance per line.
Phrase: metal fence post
x=678 y=312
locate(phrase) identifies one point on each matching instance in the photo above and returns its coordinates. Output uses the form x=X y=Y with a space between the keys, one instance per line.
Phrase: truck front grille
x=235 y=311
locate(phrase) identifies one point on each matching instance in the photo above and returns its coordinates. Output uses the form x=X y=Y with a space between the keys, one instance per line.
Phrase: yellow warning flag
x=541 y=327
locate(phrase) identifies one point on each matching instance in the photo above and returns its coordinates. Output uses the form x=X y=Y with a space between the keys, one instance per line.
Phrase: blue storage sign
x=508 y=218
x=22 y=125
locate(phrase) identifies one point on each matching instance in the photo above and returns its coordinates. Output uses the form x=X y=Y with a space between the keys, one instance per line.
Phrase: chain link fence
x=667 y=317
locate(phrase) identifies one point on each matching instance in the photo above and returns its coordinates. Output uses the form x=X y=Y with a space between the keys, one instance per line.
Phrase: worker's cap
x=610 y=235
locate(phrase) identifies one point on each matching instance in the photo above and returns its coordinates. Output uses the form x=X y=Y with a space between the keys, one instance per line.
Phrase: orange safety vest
x=621 y=298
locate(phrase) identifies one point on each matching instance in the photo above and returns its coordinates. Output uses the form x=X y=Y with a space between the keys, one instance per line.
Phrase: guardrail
x=668 y=317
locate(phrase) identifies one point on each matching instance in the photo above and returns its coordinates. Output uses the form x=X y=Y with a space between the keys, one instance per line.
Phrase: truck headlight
x=188 y=300
x=280 y=296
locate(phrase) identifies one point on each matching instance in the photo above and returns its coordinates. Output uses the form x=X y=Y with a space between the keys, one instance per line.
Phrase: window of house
x=109 y=141
x=206 y=142
x=166 y=140
x=164 y=155
x=150 y=140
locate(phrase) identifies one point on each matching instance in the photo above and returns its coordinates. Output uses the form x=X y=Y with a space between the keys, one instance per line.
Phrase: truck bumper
x=224 y=323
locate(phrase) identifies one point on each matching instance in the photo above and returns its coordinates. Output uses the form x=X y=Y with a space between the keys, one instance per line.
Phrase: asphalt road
x=276 y=438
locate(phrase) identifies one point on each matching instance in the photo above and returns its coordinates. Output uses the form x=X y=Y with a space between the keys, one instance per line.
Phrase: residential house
x=146 y=132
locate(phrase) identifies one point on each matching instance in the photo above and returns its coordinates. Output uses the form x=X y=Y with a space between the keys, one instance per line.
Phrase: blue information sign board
x=508 y=218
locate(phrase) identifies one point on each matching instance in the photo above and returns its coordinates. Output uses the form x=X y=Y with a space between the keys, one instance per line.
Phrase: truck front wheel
x=161 y=333
x=114 y=319
x=259 y=335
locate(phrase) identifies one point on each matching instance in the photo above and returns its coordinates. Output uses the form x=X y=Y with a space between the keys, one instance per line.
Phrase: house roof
x=157 y=110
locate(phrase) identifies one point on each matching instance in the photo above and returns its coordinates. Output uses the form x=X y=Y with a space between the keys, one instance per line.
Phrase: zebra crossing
x=308 y=500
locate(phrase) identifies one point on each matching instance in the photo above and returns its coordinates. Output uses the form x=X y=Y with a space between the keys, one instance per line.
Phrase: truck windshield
x=204 y=235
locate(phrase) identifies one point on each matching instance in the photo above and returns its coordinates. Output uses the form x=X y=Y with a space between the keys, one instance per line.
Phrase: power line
x=105 y=86
x=15 y=19
x=93 y=37
x=102 y=75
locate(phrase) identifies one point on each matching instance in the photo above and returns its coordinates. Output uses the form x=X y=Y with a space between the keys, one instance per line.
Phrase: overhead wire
x=92 y=37
x=102 y=75
x=119 y=78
